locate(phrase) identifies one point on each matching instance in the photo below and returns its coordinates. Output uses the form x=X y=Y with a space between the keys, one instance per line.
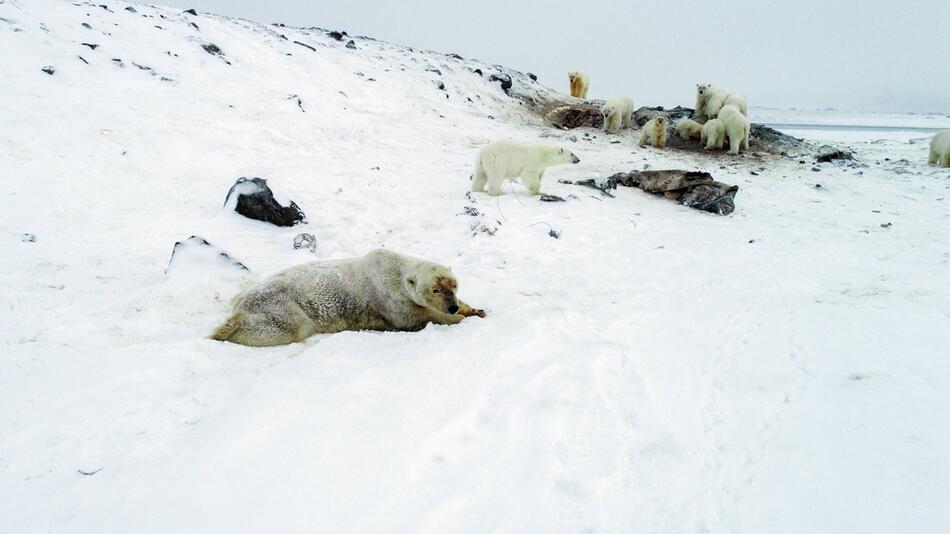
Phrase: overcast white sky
x=870 y=55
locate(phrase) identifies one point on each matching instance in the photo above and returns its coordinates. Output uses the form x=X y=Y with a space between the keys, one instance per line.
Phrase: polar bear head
x=609 y=109
x=703 y=88
x=558 y=156
x=660 y=122
x=432 y=286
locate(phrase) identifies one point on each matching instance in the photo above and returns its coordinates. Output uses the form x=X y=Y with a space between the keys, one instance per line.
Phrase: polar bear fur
x=579 y=83
x=689 y=129
x=737 y=128
x=739 y=101
x=618 y=112
x=713 y=135
x=508 y=159
x=382 y=290
x=940 y=149
x=654 y=133
x=711 y=98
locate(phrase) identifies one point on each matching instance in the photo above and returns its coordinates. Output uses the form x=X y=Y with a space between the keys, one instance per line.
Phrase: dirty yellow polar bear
x=382 y=290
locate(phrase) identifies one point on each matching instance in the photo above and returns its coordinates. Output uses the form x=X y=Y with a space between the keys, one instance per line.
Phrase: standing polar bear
x=710 y=99
x=508 y=159
x=382 y=290
x=713 y=135
x=618 y=112
x=737 y=128
x=578 y=83
x=654 y=133
x=940 y=149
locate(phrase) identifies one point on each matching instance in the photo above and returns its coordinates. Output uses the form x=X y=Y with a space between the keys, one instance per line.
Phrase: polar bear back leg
x=933 y=156
x=478 y=182
x=495 y=181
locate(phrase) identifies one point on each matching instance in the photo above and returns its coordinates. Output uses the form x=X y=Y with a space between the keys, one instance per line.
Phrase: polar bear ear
x=411 y=280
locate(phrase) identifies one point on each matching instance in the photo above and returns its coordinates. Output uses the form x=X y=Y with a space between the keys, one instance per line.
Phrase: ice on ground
x=656 y=369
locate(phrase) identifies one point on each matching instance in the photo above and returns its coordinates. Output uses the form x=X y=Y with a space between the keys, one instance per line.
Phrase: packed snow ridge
x=656 y=368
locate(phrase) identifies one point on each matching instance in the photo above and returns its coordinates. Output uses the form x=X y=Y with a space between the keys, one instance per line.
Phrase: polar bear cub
x=508 y=159
x=689 y=129
x=713 y=135
x=940 y=149
x=654 y=133
x=579 y=83
x=618 y=112
x=737 y=128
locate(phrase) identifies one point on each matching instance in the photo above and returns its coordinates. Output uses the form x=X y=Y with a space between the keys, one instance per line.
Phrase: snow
x=655 y=369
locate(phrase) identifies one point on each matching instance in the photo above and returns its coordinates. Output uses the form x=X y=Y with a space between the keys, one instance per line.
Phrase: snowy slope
x=656 y=369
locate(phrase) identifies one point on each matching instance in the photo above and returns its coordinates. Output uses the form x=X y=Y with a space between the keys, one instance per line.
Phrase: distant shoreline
x=868 y=128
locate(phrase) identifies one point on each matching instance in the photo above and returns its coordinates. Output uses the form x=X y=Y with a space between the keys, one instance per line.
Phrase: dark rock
x=86 y=25
x=336 y=35
x=502 y=78
x=49 y=69
x=142 y=67
x=478 y=71
x=190 y=12
x=435 y=70
x=198 y=250
x=83 y=59
x=212 y=49
x=92 y=46
x=471 y=210
x=533 y=77
x=254 y=200
x=456 y=56
x=351 y=45
x=118 y=62
x=886 y=225
x=567 y=118
x=28 y=238
x=131 y=9
x=827 y=153
x=440 y=85
x=195 y=26
x=103 y=6
x=551 y=198
x=305 y=45
x=305 y=241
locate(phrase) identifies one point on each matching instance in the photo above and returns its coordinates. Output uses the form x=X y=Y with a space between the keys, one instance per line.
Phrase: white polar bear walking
x=618 y=112
x=713 y=135
x=737 y=128
x=940 y=149
x=508 y=159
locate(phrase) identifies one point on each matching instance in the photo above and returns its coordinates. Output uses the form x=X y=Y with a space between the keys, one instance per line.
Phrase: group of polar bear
x=384 y=290
x=725 y=117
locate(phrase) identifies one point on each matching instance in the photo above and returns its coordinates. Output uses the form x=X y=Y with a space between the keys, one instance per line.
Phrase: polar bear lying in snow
x=382 y=290
x=508 y=159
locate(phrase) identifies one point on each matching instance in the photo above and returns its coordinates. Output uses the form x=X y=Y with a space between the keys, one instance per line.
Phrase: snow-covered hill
x=656 y=369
